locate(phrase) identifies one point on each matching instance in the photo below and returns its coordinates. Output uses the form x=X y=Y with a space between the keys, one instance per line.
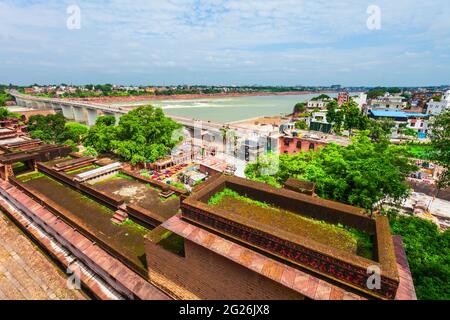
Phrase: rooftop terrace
x=328 y=238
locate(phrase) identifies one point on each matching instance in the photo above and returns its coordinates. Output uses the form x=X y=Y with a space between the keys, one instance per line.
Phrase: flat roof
x=296 y=279
x=11 y=141
x=397 y=114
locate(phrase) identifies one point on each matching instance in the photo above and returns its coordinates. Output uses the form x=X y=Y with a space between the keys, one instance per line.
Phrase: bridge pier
x=91 y=117
x=20 y=102
x=116 y=115
x=67 y=112
x=56 y=107
x=78 y=112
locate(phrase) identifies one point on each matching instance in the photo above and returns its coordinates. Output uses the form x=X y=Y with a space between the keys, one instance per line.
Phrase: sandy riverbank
x=107 y=100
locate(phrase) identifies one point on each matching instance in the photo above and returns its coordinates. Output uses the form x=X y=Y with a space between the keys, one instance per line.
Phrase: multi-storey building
x=389 y=102
x=437 y=107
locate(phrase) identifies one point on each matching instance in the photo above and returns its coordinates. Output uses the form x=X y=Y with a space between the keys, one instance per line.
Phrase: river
x=231 y=109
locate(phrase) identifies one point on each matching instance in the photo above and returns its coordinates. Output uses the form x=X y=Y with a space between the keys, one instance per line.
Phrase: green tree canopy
x=301 y=125
x=102 y=134
x=300 y=107
x=440 y=140
x=321 y=97
x=428 y=252
x=48 y=128
x=378 y=92
x=142 y=134
x=348 y=116
x=75 y=132
x=360 y=174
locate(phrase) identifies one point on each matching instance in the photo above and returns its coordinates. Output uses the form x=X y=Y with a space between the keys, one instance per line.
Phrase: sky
x=225 y=42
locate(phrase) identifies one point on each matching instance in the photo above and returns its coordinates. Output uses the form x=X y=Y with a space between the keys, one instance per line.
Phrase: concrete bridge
x=72 y=110
x=209 y=132
x=88 y=113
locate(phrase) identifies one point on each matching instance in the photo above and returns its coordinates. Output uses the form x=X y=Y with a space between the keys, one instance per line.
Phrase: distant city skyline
x=218 y=42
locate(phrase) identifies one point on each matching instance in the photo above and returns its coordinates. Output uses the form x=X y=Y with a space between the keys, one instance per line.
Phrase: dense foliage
x=300 y=107
x=347 y=117
x=440 y=141
x=5 y=114
x=428 y=252
x=321 y=97
x=48 y=128
x=102 y=134
x=4 y=97
x=360 y=174
x=377 y=92
x=53 y=128
x=143 y=134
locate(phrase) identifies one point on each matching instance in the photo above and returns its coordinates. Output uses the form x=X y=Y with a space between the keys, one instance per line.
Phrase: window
x=311 y=146
x=299 y=144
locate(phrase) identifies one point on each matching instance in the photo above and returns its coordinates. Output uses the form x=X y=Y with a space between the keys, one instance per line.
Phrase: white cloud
x=225 y=41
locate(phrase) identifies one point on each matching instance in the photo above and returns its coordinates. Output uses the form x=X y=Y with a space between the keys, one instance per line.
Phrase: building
x=343 y=97
x=419 y=100
x=412 y=120
x=317 y=104
x=294 y=141
x=227 y=254
x=361 y=100
x=438 y=107
x=20 y=154
x=389 y=102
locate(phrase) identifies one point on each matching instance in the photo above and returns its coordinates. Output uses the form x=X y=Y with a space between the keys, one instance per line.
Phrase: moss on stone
x=337 y=236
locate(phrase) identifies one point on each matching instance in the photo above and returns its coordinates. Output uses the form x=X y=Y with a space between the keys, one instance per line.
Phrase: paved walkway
x=25 y=272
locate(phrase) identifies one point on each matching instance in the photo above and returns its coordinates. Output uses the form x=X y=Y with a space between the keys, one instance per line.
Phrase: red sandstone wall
x=292 y=148
x=212 y=277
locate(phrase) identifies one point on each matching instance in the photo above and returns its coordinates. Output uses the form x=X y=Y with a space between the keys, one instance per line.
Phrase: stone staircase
x=119 y=216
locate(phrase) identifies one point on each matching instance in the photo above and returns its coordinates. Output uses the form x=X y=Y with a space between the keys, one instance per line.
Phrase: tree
x=75 y=132
x=5 y=114
x=332 y=107
x=440 y=141
x=48 y=128
x=145 y=133
x=410 y=132
x=379 y=130
x=72 y=145
x=360 y=174
x=321 y=97
x=428 y=252
x=142 y=134
x=375 y=93
x=301 y=125
x=101 y=135
x=106 y=120
x=352 y=115
x=90 y=152
x=300 y=107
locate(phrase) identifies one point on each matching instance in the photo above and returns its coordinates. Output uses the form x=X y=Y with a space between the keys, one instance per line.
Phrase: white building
x=320 y=104
x=361 y=100
x=388 y=102
x=437 y=107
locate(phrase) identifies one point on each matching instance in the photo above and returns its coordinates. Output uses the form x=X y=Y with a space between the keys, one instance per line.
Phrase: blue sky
x=232 y=42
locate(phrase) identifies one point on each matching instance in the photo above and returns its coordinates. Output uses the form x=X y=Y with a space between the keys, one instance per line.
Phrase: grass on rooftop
x=338 y=236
